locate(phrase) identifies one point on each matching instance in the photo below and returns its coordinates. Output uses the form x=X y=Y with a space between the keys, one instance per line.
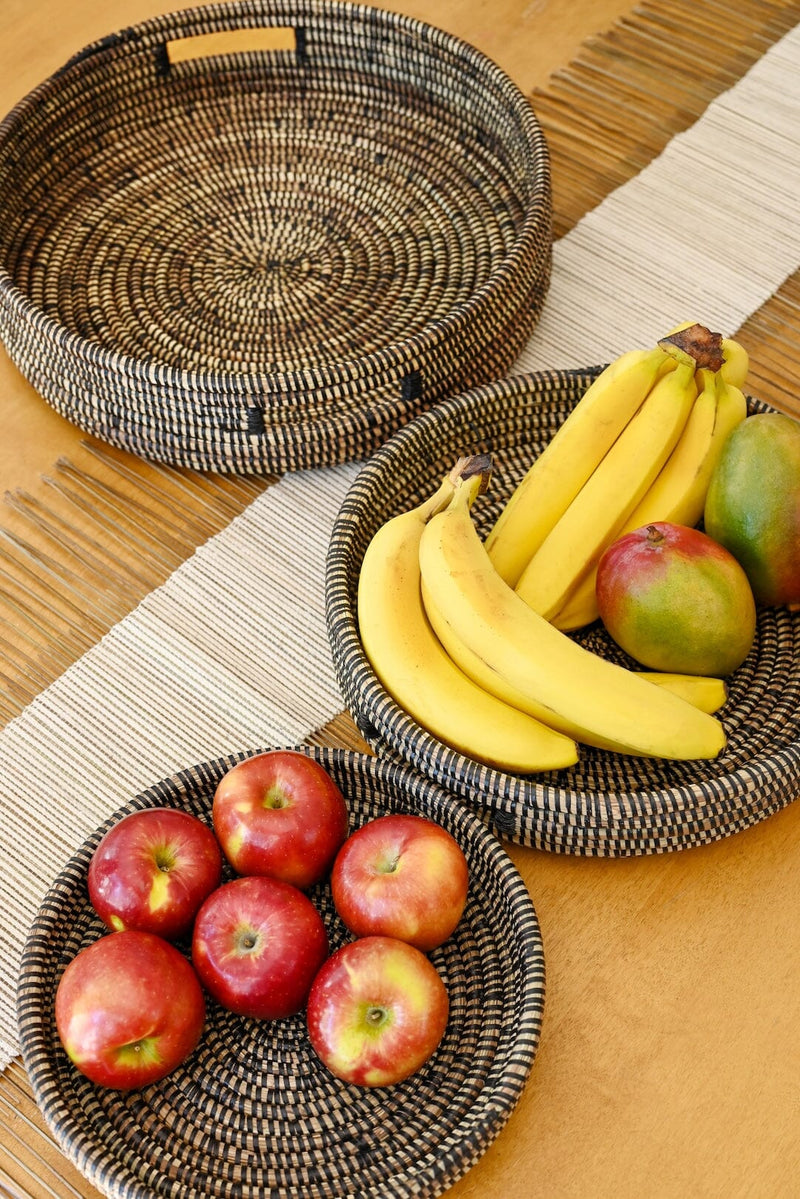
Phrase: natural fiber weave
x=267 y=260
x=253 y=1112
x=608 y=804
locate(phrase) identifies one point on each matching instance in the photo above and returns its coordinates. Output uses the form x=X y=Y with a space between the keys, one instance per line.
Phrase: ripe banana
x=615 y=487
x=731 y=411
x=416 y=671
x=737 y=362
x=518 y=655
x=679 y=491
x=580 y=607
x=567 y=461
x=678 y=494
x=703 y=691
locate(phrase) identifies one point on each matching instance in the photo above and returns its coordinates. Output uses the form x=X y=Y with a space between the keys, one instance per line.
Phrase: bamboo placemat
x=73 y=570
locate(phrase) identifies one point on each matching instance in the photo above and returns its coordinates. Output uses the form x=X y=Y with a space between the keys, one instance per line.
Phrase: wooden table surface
x=670 y=1054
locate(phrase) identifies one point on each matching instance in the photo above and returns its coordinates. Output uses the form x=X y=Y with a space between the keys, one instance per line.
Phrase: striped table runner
x=231 y=653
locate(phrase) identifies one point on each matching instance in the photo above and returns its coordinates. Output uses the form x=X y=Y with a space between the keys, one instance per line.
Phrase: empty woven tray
x=253 y=1112
x=608 y=804
x=267 y=250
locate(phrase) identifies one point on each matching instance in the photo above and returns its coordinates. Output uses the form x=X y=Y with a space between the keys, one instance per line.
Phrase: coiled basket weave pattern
x=253 y=1113
x=266 y=259
x=608 y=804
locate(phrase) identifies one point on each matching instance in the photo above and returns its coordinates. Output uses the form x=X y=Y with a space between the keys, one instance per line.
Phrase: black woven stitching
x=411 y=386
x=162 y=63
x=255 y=422
x=301 y=44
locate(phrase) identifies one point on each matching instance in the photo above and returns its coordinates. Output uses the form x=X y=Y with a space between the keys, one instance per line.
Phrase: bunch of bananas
x=414 y=667
x=470 y=638
x=640 y=446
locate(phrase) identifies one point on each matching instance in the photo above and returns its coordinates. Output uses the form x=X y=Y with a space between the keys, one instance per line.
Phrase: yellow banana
x=518 y=655
x=580 y=606
x=702 y=691
x=601 y=507
x=567 y=461
x=416 y=671
x=679 y=491
x=737 y=362
x=677 y=494
x=731 y=411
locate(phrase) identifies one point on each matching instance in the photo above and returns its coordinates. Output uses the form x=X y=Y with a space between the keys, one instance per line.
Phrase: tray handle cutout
x=234 y=41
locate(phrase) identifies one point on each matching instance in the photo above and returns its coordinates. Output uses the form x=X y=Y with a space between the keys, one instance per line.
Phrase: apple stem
x=376 y=1016
x=275 y=798
x=389 y=864
x=247 y=940
x=165 y=859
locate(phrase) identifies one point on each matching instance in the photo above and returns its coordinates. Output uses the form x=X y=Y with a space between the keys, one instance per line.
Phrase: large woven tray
x=253 y=1112
x=608 y=804
x=260 y=259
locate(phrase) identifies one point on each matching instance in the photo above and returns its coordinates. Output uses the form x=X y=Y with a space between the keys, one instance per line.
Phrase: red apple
x=257 y=944
x=401 y=876
x=129 y=1009
x=377 y=1011
x=152 y=870
x=281 y=814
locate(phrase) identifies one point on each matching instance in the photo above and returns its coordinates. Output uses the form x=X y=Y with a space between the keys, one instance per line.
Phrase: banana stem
x=467 y=491
x=472 y=469
x=436 y=502
x=471 y=466
x=702 y=347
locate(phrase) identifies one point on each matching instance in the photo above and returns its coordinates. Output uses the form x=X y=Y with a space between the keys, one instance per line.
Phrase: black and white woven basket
x=608 y=804
x=253 y=1112
x=241 y=258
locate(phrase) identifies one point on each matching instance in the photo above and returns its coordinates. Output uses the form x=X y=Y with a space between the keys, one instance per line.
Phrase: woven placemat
x=268 y=259
x=253 y=1111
